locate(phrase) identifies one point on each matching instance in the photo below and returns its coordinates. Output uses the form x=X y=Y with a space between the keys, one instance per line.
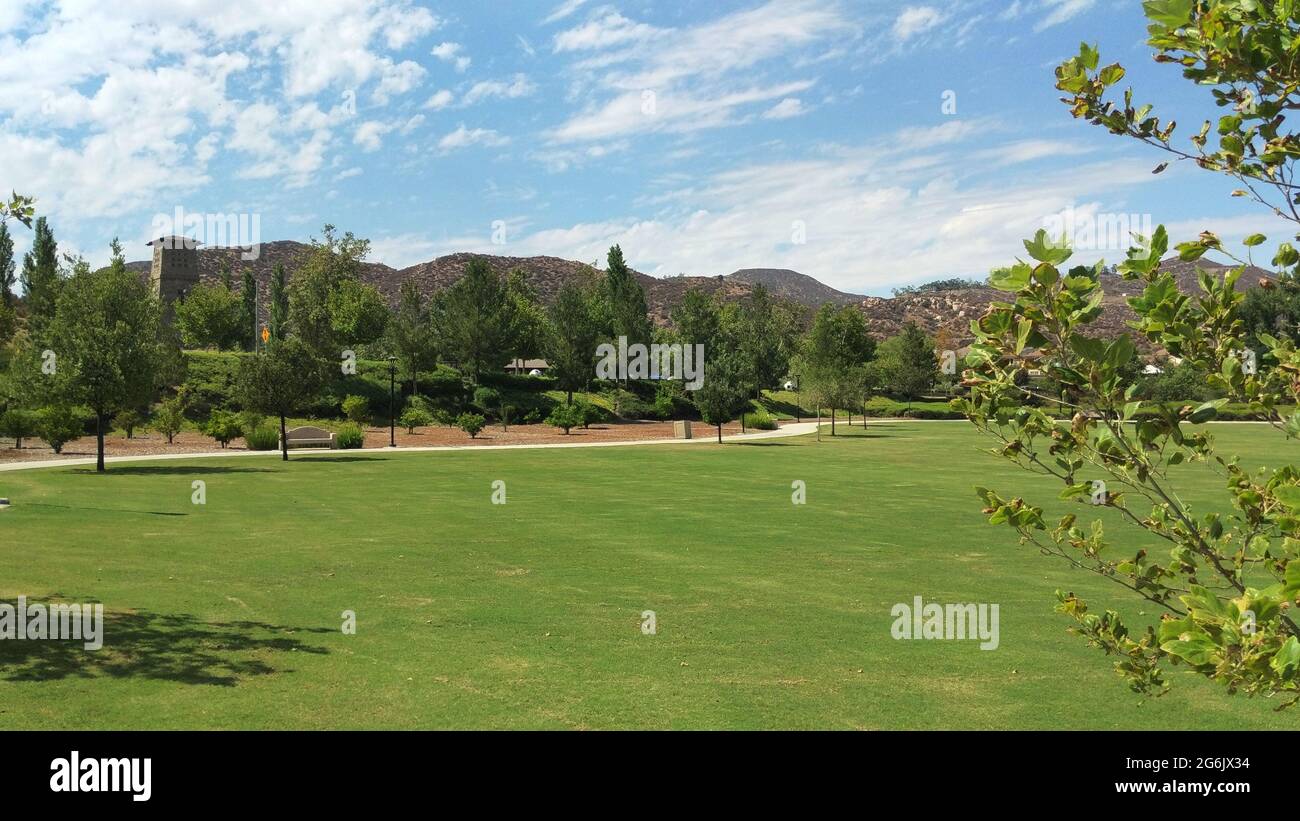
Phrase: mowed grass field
x=528 y=614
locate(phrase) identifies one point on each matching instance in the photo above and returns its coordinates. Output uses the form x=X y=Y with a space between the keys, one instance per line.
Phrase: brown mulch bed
x=151 y=444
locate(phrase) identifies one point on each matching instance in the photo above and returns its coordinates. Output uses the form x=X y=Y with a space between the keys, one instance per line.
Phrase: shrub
x=444 y=383
x=471 y=423
x=1180 y=383
x=630 y=406
x=252 y=420
x=878 y=406
x=415 y=417
x=169 y=419
x=532 y=417
x=565 y=416
x=760 y=420
x=444 y=417
x=933 y=413
x=60 y=424
x=18 y=424
x=421 y=402
x=266 y=436
x=595 y=413
x=210 y=381
x=350 y=436
x=487 y=400
x=224 y=426
x=127 y=420
x=356 y=409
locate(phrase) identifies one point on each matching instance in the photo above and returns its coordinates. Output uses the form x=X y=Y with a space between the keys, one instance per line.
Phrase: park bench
x=308 y=436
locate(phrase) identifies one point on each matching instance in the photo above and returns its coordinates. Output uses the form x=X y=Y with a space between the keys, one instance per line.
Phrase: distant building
x=175 y=270
x=527 y=366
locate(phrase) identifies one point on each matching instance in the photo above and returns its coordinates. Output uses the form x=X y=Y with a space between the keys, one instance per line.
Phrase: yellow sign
x=266 y=335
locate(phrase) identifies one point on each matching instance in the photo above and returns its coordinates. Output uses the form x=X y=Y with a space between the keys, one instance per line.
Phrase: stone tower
x=175 y=270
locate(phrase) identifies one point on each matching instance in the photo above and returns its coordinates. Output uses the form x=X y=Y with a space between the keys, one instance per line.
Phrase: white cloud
x=464 y=137
x=411 y=124
x=640 y=79
x=440 y=99
x=563 y=10
x=348 y=173
x=369 y=135
x=908 y=207
x=520 y=86
x=1059 y=11
x=915 y=20
x=677 y=112
x=610 y=29
x=787 y=108
x=398 y=79
x=450 y=53
x=167 y=86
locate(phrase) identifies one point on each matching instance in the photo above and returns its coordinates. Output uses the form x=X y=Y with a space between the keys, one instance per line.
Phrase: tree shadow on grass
x=104 y=509
x=345 y=458
x=169 y=470
x=159 y=647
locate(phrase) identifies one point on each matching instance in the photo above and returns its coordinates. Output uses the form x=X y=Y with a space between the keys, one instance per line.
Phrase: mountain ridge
x=947 y=312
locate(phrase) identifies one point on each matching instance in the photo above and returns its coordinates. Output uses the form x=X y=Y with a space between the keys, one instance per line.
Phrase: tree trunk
x=570 y=400
x=819 y=422
x=284 y=441
x=99 y=442
x=719 y=433
x=832 y=421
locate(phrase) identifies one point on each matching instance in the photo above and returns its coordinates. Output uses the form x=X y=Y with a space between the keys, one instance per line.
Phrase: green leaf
x=1254 y=239
x=1045 y=249
x=1089 y=56
x=1292 y=578
x=1207 y=411
x=1120 y=351
x=1194 y=650
x=1111 y=74
x=1287 y=658
x=1172 y=13
x=1010 y=279
x=1093 y=350
x=1289 y=495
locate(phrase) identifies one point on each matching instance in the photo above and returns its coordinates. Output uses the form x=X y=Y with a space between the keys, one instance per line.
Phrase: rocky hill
x=951 y=311
x=792 y=285
x=545 y=274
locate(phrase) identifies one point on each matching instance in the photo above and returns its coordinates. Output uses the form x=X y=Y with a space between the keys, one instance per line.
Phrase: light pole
x=392 y=394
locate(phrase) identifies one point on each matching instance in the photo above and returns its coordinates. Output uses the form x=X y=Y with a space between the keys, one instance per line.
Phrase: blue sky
x=702 y=137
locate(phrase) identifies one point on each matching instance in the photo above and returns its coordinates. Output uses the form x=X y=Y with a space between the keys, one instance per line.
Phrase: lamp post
x=392 y=394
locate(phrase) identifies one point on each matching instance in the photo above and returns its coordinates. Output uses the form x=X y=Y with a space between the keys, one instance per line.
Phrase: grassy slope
x=527 y=615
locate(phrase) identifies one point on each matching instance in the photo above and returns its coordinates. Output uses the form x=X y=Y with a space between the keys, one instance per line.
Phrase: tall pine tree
x=627 y=305
x=573 y=332
x=40 y=276
x=248 y=310
x=7 y=267
x=279 y=302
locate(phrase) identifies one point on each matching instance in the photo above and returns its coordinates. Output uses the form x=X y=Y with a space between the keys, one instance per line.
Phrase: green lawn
x=527 y=615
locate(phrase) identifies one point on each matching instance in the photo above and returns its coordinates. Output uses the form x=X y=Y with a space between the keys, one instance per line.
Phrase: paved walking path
x=793 y=429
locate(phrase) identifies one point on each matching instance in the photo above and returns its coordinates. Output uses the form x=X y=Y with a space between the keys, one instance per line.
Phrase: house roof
x=174 y=241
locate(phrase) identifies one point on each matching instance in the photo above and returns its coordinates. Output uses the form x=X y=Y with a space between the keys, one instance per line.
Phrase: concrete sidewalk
x=793 y=429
